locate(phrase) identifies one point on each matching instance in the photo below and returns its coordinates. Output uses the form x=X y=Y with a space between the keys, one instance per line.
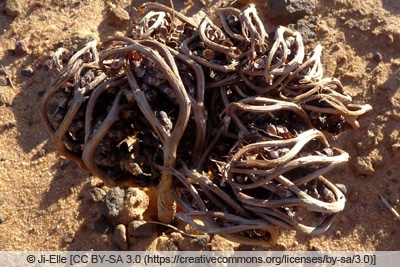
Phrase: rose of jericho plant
x=224 y=122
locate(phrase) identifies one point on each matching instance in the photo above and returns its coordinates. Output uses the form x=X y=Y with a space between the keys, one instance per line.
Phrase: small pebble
x=13 y=8
x=41 y=93
x=186 y=243
x=1 y=218
x=27 y=72
x=1 y=201
x=378 y=57
x=113 y=202
x=338 y=233
x=119 y=237
x=201 y=241
x=304 y=27
x=96 y=182
x=165 y=243
x=97 y=194
x=76 y=41
x=140 y=228
x=289 y=11
x=363 y=165
x=135 y=205
x=119 y=16
x=20 y=48
x=342 y=188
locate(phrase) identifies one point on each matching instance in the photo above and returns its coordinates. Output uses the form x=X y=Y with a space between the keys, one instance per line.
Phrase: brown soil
x=45 y=198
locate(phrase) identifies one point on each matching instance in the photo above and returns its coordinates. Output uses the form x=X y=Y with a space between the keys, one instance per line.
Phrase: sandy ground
x=45 y=200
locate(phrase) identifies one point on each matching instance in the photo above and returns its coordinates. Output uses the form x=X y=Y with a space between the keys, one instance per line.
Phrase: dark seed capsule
x=182 y=67
x=76 y=126
x=149 y=63
x=156 y=73
x=150 y=80
x=233 y=23
x=166 y=89
x=137 y=68
x=59 y=116
x=145 y=87
x=151 y=95
x=87 y=56
x=117 y=63
x=189 y=84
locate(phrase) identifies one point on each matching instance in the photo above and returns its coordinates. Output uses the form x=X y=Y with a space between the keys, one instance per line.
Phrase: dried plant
x=223 y=121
